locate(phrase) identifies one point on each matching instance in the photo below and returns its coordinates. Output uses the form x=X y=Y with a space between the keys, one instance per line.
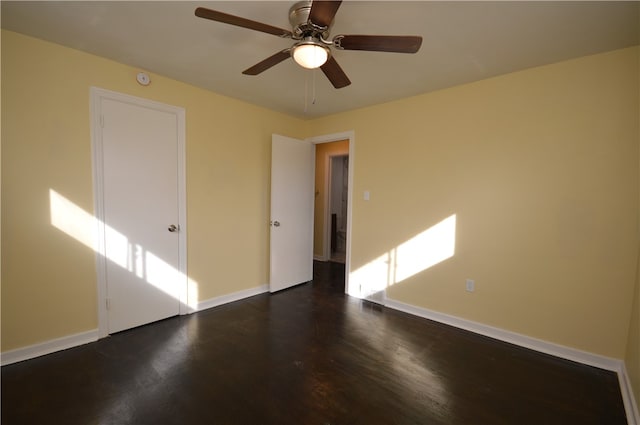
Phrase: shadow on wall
x=426 y=249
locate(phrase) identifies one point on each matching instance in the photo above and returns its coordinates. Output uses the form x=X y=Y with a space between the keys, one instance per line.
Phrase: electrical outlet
x=471 y=285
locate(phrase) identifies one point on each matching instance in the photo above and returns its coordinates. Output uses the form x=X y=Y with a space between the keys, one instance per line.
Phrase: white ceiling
x=462 y=42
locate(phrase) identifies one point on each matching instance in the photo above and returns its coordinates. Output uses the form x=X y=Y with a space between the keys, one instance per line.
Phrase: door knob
x=276 y=224
x=173 y=228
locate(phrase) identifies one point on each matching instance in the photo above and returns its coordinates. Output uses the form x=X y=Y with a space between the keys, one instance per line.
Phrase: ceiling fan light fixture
x=310 y=54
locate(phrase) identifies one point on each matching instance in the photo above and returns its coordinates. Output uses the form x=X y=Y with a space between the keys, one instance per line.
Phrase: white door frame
x=335 y=137
x=96 y=96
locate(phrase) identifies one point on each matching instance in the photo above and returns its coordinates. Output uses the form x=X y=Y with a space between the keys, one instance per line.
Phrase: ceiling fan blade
x=335 y=74
x=268 y=63
x=225 y=18
x=323 y=11
x=379 y=43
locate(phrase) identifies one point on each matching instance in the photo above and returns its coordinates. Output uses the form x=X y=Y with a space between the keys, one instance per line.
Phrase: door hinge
x=108 y=302
x=102 y=121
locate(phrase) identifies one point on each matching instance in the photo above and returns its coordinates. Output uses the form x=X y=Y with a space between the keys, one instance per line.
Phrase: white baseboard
x=510 y=337
x=573 y=354
x=630 y=405
x=70 y=341
x=229 y=298
x=48 y=347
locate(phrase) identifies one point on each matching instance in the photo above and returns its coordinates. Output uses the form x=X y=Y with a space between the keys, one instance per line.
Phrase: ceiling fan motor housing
x=299 y=20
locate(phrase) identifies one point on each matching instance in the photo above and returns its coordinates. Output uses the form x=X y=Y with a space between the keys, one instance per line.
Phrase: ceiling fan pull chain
x=306 y=90
x=313 y=97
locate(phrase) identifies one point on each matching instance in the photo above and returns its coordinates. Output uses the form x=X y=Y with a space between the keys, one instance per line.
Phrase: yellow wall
x=323 y=151
x=49 y=279
x=632 y=359
x=540 y=168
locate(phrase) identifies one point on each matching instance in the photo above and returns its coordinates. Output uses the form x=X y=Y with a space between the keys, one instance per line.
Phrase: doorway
x=322 y=216
x=338 y=204
x=331 y=201
x=318 y=206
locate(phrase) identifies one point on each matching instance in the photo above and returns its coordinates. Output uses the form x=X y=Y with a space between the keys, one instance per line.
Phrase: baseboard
x=70 y=341
x=573 y=354
x=510 y=337
x=630 y=405
x=48 y=347
x=229 y=298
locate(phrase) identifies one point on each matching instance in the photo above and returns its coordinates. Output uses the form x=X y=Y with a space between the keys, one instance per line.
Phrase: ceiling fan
x=311 y=22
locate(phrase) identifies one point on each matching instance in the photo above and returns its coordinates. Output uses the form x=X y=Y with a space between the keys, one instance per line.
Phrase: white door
x=140 y=206
x=292 y=180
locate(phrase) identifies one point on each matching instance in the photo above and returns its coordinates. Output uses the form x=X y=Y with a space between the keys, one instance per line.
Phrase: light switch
x=366 y=195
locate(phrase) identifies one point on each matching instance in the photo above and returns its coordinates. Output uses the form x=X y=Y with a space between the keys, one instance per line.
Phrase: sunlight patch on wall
x=192 y=294
x=73 y=220
x=415 y=255
x=425 y=250
x=371 y=278
x=85 y=228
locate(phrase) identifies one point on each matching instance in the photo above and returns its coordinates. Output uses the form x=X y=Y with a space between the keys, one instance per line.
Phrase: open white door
x=292 y=180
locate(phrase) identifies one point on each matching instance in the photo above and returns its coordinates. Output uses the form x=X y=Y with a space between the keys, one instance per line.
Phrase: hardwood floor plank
x=307 y=355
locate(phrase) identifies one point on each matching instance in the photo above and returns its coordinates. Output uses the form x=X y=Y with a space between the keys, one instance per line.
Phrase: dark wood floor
x=307 y=355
